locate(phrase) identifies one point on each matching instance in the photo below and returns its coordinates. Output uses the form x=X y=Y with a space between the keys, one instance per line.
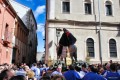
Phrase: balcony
x=7 y=38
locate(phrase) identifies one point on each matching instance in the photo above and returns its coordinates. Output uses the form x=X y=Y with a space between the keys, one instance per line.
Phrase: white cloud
x=39 y=10
x=41 y=28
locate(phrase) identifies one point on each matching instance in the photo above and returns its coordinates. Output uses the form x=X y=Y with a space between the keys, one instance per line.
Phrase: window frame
x=90 y=53
x=108 y=3
x=91 y=7
x=114 y=48
x=62 y=6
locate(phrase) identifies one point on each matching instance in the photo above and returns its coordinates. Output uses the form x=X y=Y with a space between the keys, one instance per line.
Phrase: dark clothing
x=59 y=50
x=67 y=39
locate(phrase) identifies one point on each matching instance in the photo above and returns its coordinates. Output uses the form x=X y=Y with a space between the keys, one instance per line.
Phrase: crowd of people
x=37 y=71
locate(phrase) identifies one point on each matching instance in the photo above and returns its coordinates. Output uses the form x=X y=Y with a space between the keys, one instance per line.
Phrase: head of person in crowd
x=29 y=72
x=6 y=74
x=107 y=66
x=113 y=67
x=40 y=65
x=20 y=67
x=71 y=67
x=6 y=66
x=14 y=67
x=59 y=68
x=57 y=77
x=77 y=68
x=43 y=72
x=34 y=64
x=100 y=65
x=101 y=70
x=64 y=68
x=44 y=65
x=54 y=68
x=110 y=61
x=46 y=76
x=18 y=77
x=58 y=71
x=84 y=67
x=26 y=68
x=93 y=68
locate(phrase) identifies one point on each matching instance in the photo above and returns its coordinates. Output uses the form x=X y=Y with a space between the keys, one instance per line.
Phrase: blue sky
x=38 y=7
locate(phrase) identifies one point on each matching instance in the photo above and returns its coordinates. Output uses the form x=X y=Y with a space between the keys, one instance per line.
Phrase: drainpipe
x=99 y=32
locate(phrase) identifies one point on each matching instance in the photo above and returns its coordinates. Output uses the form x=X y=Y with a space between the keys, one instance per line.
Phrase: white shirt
x=82 y=74
x=56 y=73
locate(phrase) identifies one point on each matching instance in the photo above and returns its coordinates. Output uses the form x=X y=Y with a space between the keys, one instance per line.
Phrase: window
x=108 y=6
x=6 y=32
x=66 y=7
x=112 y=48
x=88 y=9
x=90 y=47
x=119 y=3
x=14 y=54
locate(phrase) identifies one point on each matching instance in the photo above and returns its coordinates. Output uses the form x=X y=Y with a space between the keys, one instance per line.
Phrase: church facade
x=94 y=23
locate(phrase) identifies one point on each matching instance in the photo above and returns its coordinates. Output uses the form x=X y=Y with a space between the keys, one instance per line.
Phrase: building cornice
x=83 y=23
x=9 y=7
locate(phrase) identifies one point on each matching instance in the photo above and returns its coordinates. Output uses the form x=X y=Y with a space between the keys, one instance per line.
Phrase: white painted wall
x=77 y=14
x=77 y=11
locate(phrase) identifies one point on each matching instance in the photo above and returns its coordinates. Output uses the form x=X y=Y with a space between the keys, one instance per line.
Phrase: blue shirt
x=36 y=71
x=92 y=76
x=23 y=73
x=71 y=75
x=112 y=76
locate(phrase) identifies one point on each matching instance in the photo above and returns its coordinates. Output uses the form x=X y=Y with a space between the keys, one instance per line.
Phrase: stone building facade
x=18 y=38
x=19 y=41
x=13 y=35
x=27 y=17
x=94 y=23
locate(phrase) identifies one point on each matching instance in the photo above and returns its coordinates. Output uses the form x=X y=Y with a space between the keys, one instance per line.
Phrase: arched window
x=108 y=6
x=88 y=9
x=90 y=47
x=112 y=48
